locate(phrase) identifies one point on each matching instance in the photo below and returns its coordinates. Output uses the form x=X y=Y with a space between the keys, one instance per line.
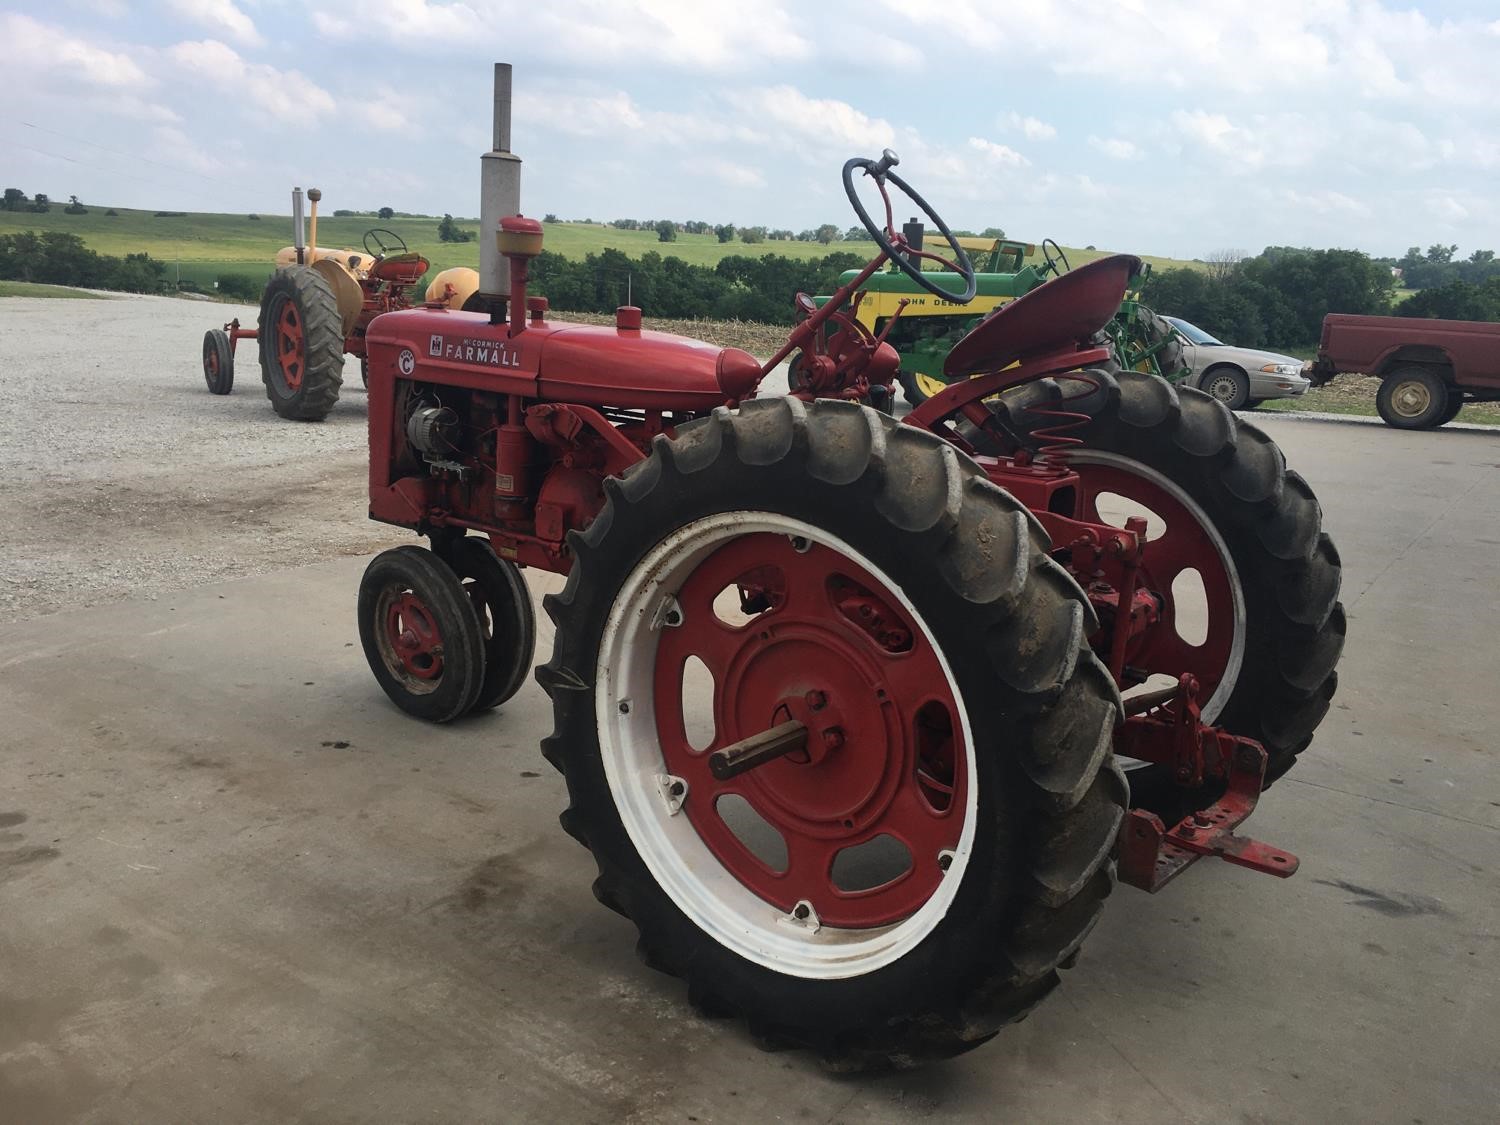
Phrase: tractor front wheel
x=833 y=733
x=420 y=634
x=498 y=593
x=218 y=362
x=301 y=344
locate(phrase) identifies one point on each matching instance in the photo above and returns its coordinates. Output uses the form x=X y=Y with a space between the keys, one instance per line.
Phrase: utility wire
x=116 y=152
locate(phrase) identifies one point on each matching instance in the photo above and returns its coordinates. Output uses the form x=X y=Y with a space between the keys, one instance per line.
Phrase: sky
x=1166 y=127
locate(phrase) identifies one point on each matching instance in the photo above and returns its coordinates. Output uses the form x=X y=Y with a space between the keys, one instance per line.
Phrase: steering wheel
x=386 y=242
x=893 y=245
x=1051 y=261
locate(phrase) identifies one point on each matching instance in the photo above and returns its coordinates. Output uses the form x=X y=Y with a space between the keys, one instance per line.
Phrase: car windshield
x=1194 y=334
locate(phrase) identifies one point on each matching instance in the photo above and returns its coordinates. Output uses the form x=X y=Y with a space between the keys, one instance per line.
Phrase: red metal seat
x=400 y=269
x=1068 y=309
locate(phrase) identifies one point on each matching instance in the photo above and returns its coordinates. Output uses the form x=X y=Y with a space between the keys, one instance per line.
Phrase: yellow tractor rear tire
x=301 y=344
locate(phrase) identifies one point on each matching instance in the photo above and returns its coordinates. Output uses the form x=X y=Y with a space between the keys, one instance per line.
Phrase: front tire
x=1412 y=398
x=420 y=634
x=218 y=362
x=507 y=626
x=1229 y=385
x=883 y=580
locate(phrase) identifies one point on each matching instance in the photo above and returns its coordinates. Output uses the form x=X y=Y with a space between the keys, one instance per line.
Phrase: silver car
x=1240 y=378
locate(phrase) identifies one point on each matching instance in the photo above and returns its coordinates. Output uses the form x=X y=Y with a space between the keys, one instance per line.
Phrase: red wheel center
x=826 y=644
x=1184 y=545
x=289 y=345
x=414 y=637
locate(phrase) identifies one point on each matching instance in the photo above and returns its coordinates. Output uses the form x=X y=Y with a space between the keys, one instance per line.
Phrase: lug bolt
x=817 y=700
x=833 y=738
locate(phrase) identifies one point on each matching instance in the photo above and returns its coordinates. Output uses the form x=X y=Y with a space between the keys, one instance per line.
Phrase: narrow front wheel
x=420 y=634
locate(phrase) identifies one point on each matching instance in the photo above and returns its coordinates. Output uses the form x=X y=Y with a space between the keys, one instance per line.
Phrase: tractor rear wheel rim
x=290 y=345
x=888 y=761
x=1180 y=538
x=409 y=639
x=1411 y=399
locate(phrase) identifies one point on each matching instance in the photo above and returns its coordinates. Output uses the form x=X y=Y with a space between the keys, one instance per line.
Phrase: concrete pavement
x=236 y=884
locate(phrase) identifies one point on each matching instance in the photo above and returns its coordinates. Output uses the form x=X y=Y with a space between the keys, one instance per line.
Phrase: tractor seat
x=399 y=269
x=1070 y=309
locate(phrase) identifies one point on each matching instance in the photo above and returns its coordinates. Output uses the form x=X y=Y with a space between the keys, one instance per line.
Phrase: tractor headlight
x=1283 y=368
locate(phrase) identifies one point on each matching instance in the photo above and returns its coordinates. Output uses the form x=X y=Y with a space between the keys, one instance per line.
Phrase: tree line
x=57 y=258
x=738 y=288
x=1279 y=297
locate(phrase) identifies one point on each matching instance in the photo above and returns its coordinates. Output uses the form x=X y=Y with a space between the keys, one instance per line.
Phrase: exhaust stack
x=297 y=241
x=499 y=198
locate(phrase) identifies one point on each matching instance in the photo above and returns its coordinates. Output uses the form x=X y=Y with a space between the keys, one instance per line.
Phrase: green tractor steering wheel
x=1051 y=261
x=886 y=238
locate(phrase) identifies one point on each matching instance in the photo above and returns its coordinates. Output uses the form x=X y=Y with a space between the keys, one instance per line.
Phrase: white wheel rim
x=682 y=865
x=1216 y=702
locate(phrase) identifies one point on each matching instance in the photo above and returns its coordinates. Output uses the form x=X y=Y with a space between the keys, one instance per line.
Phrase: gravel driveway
x=121 y=476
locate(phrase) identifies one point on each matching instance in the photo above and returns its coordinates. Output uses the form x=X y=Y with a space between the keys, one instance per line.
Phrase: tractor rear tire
x=301 y=344
x=959 y=569
x=498 y=593
x=1286 y=568
x=911 y=390
x=420 y=634
x=1413 y=398
x=218 y=362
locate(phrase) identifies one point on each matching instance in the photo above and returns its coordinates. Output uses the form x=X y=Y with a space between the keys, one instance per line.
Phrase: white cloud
x=1029 y=127
x=732 y=172
x=28 y=47
x=836 y=124
x=1116 y=148
x=219 y=15
x=994 y=153
x=284 y=94
x=705 y=36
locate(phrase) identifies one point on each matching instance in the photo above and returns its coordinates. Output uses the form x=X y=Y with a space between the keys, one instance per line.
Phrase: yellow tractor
x=317 y=306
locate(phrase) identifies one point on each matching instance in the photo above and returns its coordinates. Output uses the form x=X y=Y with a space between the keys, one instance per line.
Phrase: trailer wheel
x=420 y=634
x=912 y=876
x=498 y=593
x=301 y=344
x=1273 y=627
x=1412 y=398
x=218 y=362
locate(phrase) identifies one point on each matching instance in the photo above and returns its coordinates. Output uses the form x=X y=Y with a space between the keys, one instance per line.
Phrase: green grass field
x=32 y=289
x=198 y=247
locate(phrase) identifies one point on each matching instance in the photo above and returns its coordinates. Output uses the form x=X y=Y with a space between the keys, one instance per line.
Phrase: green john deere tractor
x=928 y=327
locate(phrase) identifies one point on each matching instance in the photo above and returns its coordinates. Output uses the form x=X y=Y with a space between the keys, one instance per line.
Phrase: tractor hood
x=593 y=365
x=618 y=366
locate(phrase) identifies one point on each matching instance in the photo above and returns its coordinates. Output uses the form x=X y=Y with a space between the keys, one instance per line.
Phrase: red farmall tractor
x=318 y=305
x=860 y=718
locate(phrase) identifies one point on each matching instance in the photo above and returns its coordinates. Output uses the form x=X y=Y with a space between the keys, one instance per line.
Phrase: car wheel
x=1229 y=385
